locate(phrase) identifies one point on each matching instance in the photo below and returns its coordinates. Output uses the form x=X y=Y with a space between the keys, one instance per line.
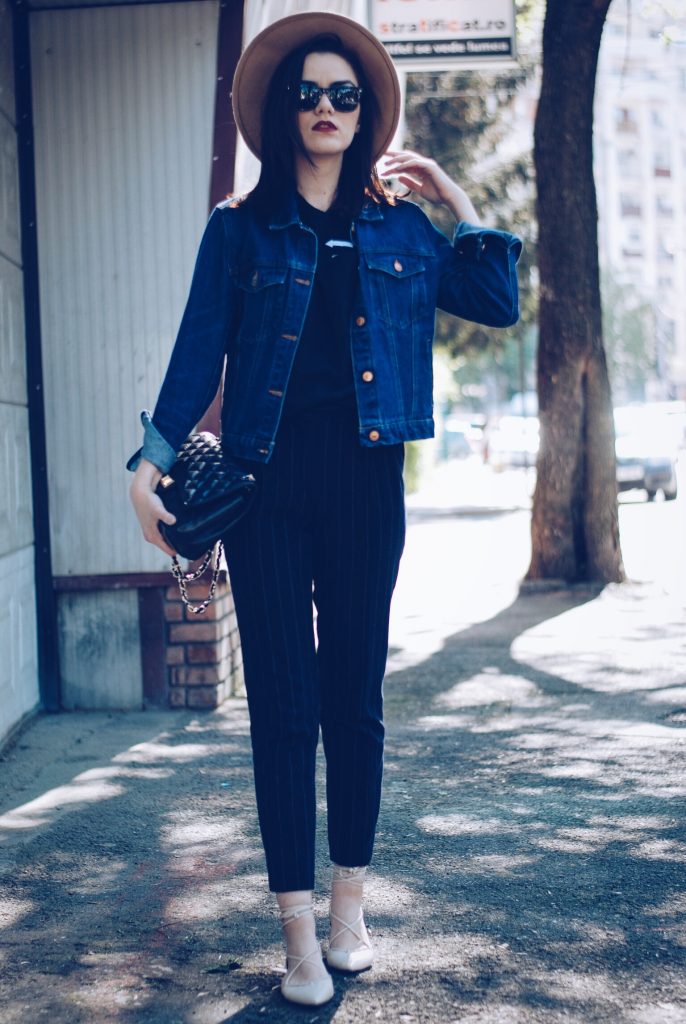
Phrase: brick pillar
x=203 y=652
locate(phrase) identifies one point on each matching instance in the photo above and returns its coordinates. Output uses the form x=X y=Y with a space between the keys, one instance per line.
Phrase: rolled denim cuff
x=472 y=240
x=155 y=449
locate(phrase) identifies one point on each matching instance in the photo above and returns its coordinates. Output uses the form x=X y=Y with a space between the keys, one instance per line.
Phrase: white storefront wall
x=18 y=654
x=123 y=118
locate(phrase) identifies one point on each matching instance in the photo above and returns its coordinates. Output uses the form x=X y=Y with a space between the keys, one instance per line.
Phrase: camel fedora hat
x=265 y=52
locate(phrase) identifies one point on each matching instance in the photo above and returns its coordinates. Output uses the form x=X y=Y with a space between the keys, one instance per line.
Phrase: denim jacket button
x=397 y=266
x=374 y=435
x=367 y=376
x=360 y=321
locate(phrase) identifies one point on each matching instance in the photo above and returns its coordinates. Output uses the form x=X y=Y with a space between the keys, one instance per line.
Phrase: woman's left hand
x=423 y=175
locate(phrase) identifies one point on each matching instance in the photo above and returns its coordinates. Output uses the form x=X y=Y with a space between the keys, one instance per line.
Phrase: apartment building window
x=625 y=120
x=633 y=246
x=630 y=206
x=667 y=332
x=657 y=119
x=664 y=207
x=662 y=165
x=629 y=165
x=665 y=249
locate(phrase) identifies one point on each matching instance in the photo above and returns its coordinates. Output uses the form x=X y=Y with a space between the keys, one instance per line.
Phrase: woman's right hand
x=148 y=505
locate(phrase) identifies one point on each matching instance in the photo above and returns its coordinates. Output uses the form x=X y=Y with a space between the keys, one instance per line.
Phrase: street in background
x=649 y=438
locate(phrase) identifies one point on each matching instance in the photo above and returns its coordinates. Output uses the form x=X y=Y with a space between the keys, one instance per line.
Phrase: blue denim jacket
x=248 y=301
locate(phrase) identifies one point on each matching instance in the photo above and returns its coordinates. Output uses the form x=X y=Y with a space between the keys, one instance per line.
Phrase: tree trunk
x=575 y=532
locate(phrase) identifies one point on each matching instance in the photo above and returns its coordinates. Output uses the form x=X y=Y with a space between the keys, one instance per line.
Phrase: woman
x=320 y=289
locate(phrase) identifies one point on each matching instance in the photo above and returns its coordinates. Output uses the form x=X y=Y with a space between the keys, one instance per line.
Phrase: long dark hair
x=281 y=138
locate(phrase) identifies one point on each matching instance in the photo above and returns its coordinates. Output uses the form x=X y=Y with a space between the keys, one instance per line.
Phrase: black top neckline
x=326 y=219
x=315 y=209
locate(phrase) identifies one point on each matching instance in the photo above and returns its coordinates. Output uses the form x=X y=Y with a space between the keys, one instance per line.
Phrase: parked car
x=513 y=442
x=646 y=453
x=461 y=438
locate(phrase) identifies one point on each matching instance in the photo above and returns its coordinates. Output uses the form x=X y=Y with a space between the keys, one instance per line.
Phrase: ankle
x=347 y=886
x=293 y=897
x=355 y=876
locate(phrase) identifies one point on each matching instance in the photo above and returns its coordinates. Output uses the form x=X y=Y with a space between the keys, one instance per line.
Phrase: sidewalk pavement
x=530 y=855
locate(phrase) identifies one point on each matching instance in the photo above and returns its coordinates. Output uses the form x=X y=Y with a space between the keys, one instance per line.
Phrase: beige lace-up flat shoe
x=360 y=956
x=309 y=993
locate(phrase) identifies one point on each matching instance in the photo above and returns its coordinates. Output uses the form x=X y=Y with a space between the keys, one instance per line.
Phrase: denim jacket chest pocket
x=262 y=294
x=397 y=283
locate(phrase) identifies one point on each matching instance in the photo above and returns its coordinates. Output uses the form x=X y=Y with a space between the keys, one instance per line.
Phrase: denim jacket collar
x=288 y=213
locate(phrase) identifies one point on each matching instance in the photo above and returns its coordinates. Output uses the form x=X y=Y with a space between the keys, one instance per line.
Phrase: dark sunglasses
x=342 y=97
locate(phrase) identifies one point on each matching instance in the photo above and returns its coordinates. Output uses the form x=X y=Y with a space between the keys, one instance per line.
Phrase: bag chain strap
x=182 y=578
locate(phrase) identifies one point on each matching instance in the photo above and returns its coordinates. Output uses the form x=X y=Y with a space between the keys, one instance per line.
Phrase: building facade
x=640 y=160
x=19 y=687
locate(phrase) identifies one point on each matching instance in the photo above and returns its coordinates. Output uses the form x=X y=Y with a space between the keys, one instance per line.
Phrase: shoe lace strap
x=296 y=910
x=354 y=876
x=351 y=876
x=287 y=915
x=317 y=953
x=347 y=926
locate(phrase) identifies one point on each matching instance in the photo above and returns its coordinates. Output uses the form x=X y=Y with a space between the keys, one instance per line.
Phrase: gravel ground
x=530 y=855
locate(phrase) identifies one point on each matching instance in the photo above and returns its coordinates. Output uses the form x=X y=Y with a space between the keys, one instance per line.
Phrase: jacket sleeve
x=478 y=275
x=197 y=359
x=155 y=449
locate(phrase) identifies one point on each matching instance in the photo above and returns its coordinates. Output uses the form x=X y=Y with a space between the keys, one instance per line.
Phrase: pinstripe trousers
x=327 y=525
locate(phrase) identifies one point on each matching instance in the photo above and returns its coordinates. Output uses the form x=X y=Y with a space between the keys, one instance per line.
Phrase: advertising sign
x=445 y=33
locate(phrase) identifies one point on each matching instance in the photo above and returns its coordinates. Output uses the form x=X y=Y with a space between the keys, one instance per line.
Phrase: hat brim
x=266 y=51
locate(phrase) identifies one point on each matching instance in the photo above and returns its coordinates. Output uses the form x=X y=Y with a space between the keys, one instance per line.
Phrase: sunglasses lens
x=343 y=97
x=308 y=97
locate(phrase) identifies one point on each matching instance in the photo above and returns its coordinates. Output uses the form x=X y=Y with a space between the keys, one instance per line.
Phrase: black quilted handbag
x=208 y=494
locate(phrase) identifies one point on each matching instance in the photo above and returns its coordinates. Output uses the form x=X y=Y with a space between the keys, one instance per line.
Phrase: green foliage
x=501 y=371
x=530 y=14
x=462 y=119
x=411 y=470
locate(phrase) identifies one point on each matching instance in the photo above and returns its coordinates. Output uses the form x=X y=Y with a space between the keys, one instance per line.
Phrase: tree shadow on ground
x=134 y=889
x=538 y=819
x=528 y=864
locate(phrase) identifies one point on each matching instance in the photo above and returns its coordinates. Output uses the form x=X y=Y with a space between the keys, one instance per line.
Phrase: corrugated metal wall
x=18 y=656
x=123 y=108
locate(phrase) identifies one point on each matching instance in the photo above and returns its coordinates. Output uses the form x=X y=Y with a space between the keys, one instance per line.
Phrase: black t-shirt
x=322 y=374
